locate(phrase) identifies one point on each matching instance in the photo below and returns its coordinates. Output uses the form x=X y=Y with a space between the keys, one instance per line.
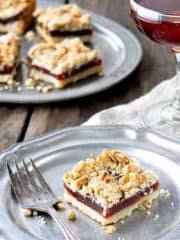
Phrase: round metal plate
x=58 y=152
x=121 y=53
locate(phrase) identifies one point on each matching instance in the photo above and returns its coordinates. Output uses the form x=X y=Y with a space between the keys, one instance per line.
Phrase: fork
x=33 y=192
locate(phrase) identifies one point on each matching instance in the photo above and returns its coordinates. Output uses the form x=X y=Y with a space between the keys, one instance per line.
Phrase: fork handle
x=67 y=232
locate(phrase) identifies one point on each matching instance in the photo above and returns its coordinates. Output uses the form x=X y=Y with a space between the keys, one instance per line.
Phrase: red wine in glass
x=159 y=20
x=164 y=31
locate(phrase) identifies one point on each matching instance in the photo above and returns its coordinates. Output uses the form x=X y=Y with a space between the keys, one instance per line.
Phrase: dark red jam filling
x=124 y=203
x=6 y=70
x=71 y=33
x=58 y=33
x=63 y=76
x=12 y=19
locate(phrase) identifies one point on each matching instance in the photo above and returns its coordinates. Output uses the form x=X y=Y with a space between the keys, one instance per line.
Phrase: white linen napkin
x=130 y=113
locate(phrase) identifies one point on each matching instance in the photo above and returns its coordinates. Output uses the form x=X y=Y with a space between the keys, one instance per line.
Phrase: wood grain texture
x=157 y=64
x=12 y=122
x=48 y=118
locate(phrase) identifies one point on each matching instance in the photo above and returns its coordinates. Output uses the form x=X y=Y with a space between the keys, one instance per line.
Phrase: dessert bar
x=16 y=15
x=109 y=187
x=55 y=24
x=9 y=57
x=63 y=63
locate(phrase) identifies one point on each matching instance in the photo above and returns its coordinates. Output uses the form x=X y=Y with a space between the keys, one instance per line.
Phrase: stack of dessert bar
x=62 y=58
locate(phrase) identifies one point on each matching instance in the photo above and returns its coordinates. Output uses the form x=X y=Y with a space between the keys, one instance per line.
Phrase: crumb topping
x=68 y=17
x=9 y=8
x=9 y=47
x=109 y=177
x=63 y=57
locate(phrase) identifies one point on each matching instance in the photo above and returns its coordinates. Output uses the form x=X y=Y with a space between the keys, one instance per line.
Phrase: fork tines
x=28 y=184
x=33 y=192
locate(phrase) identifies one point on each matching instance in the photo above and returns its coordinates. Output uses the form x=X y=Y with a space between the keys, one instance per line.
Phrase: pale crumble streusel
x=108 y=177
x=69 y=17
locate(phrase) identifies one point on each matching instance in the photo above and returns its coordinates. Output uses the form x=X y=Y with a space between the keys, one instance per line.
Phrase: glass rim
x=152 y=14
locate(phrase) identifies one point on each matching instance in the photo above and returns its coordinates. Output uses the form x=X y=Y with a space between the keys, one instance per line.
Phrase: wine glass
x=160 y=21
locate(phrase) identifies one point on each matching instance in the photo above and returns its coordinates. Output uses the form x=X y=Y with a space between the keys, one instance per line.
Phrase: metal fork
x=33 y=192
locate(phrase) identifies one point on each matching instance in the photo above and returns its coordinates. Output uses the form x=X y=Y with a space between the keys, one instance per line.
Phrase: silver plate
x=121 y=53
x=58 y=152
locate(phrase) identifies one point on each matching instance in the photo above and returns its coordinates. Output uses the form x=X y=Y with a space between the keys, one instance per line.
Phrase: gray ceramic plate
x=121 y=53
x=58 y=152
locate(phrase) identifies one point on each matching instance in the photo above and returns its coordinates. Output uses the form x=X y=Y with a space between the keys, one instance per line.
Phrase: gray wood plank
x=48 y=118
x=12 y=123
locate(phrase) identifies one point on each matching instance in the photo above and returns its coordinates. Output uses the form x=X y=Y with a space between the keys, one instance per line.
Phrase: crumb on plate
x=31 y=36
x=35 y=213
x=60 y=206
x=30 y=82
x=27 y=212
x=156 y=217
x=47 y=89
x=165 y=193
x=39 y=88
x=149 y=213
x=60 y=199
x=71 y=215
x=42 y=219
x=110 y=229
x=145 y=205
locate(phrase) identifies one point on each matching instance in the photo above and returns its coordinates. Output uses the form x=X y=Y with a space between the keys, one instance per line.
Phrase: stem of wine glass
x=176 y=103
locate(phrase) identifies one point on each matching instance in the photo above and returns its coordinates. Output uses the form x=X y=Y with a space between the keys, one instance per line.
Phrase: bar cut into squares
x=109 y=187
x=63 y=63
x=9 y=57
x=55 y=24
x=16 y=15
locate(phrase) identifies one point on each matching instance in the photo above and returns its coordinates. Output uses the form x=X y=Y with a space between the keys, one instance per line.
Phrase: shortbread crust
x=114 y=218
x=56 y=39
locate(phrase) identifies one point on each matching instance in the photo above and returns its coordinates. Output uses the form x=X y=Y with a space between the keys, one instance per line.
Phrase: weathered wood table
x=21 y=122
